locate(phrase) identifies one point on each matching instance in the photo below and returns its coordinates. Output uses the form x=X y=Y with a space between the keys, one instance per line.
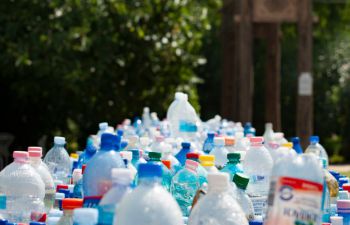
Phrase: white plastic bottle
x=240 y=144
x=258 y=165
x=23 y=187
x=146 y=118
x=296 y=191
x=268 y=134
x=149 y=203
x=58 y=161
x=220 y=152
x=35 y=154
x=170 y=111
x=217 y=206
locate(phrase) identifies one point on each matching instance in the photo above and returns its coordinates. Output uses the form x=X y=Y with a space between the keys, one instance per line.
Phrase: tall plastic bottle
x=217 y=206
x=23 y=187
x=35 y=154
x=258 y=165
x=296 y=191
x=184 y=186
x=161 y=206
x=243 y=199
x=233 y=165
x=122 y=179
x=68 y=205
x=170 y=112
x=181 y=155
x=220 y=152
x=296 y=145
x=317 y=149
x=58 y=161
x=85 y=216
x=268 y=134
x=154 y=157
x=97 y=179
x=209 y=143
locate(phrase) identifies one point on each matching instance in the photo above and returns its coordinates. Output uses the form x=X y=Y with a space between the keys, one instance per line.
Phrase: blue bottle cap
x=109 y=141
x=36 y=223
x=3 y=222
x=120 y=132
x=314 y=139
x=186 y=145
x=255 y=222
x=9 y=223
x=211 y=134
x=149 y=170
x=295 y=140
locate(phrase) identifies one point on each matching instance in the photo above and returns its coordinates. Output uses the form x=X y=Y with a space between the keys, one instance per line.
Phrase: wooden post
x=273 y=76
x=304 y=124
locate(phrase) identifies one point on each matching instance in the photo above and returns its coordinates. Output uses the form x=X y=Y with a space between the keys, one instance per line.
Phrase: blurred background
x=66 y=65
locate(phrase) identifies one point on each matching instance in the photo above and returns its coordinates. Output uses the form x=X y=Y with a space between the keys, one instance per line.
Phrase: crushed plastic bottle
x=243 y=199
x=217 y=206
x=220 y=152
x=233 y=165
x=153 y=204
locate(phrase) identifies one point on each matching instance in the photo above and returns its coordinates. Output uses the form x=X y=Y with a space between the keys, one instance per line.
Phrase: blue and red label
x=91 y=201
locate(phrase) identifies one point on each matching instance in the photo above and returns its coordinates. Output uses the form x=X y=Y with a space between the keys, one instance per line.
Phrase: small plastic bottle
x=220 y=152
x=68 y=205
x=233 y=165
x=209 y=143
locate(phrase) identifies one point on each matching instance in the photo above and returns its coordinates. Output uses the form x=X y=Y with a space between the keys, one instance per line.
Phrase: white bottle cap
x=219 y=141
x=337 y=220
x=52 y=220
x=178 y=95
x=59 y=196
x=59 y=140
x=71 y=188
x=85 y=216
x=146 y=109
x=121 y=175
x=218 y=181
x=103 y=125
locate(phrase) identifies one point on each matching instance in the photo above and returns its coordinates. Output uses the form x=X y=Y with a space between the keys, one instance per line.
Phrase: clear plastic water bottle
x=208 y=163
x=78 y=183
x=202 y=173
x=154 y=157
x=122 y=179
x=58 y=161
x=220 y=152
x=268 y=134
x=217 y=206
x=240 y=144
x=146 y=118
x=296 y=191
x=158 y=145
x=97 y=178
x=168 y=155
x=85 y=216
x=23 y=187
x=170 y=112
x=243 y=199
x=161 y=206
x=233 y=165
x=296 y=145
x=35 y=154
x=68 y=205
x=209 y=143
x=258 y=165
x=184 y=186
x=181 y=155
x=317 y=149
x=136 y=158
x=230 y=143
x=88 y=153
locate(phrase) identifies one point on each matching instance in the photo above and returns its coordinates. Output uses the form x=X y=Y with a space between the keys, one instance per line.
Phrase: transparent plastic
x=220 y=152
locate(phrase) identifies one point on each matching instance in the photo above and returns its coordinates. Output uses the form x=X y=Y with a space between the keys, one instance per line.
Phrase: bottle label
x=186 y=126
x=259 y=205
x=291 y=200
x=91 y=201
x=106 y=214
x=2 y=201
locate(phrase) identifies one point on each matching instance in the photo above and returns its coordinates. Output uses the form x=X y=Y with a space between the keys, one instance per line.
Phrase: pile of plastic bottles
x=177 y=171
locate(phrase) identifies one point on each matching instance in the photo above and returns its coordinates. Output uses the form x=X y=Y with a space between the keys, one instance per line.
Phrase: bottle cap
x=337 y=220
x=343 y=206
x=74 y=155
x=155 y=156
x=268 y=125
x=218 y=181
x=120 y=132
x=135 y=153
x=235 y=156
x=35 y=154
x=211 y=135
x=121 y=175
x=61 y=186
x=103 y=125
x=295 y=140
x=220 y=141
x=229 y=141
x=207 y=160
x=83 y=167
x=59 y=140
x=191 y=165
x=20 y=155
x=36 y=223
x=149 y=170
x=314 y=139
x=72 y=203
x=346 y=187
x=256 y=140
x=85 y=216
x=192 y=155
x=186 y=145
x=35 y=148
x=109 y=141
x=288 y=145
x=167 y=163
x=52 y=220
x=178 y=95
x=241 y=180
x=255 y=222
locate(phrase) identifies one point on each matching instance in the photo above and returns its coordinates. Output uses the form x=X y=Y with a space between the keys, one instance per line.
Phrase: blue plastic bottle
x=184 y=186
x=249 y=129
x=181 y=155
x=88 y=153
x=296 y=145
x=154 y=157
x=233 y=166
x=209 y=143
x=97 y=178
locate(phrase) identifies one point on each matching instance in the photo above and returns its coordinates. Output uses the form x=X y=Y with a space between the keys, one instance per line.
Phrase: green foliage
x=68 y=64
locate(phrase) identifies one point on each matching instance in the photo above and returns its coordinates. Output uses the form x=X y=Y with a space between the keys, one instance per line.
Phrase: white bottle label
x=292 y=200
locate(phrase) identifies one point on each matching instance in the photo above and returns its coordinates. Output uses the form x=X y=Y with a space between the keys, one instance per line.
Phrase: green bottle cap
x=241 y=180
x=234 y=156
x=155 y=156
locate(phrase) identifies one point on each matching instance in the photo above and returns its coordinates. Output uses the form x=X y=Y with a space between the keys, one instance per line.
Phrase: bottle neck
x=68 y=212
x=21 y=160
x=233 y=162
x=59 y=145
x=35 y=160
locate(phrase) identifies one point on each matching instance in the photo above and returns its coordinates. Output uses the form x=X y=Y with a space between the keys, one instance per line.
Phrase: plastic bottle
x=296 y=145
x=170 y=112
x=68 y=205
x=122 y=179
x=161 y=206
x=35 y=154
x=127 y=155
x=89 y=152
x=258 y=165
x=240 y=144
x=23 y=187
x=184 y=186
x=58 y=161
x=85 y=216
x=230 y=143
x=136 y=158
x=78 y=183
x=249 y=130
x=233 y=165
x=97 y=178
x=146 y=118
x=296 y=191
x=208 y=163
x=181 y=155
x=168 y=155
x=243 y=199
x=202 y=173
x=209 y=143
x=220 y=152
x=268 y=134
x=217 y=206
x=317 y=149
x=154 y=157
x=158 y=145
